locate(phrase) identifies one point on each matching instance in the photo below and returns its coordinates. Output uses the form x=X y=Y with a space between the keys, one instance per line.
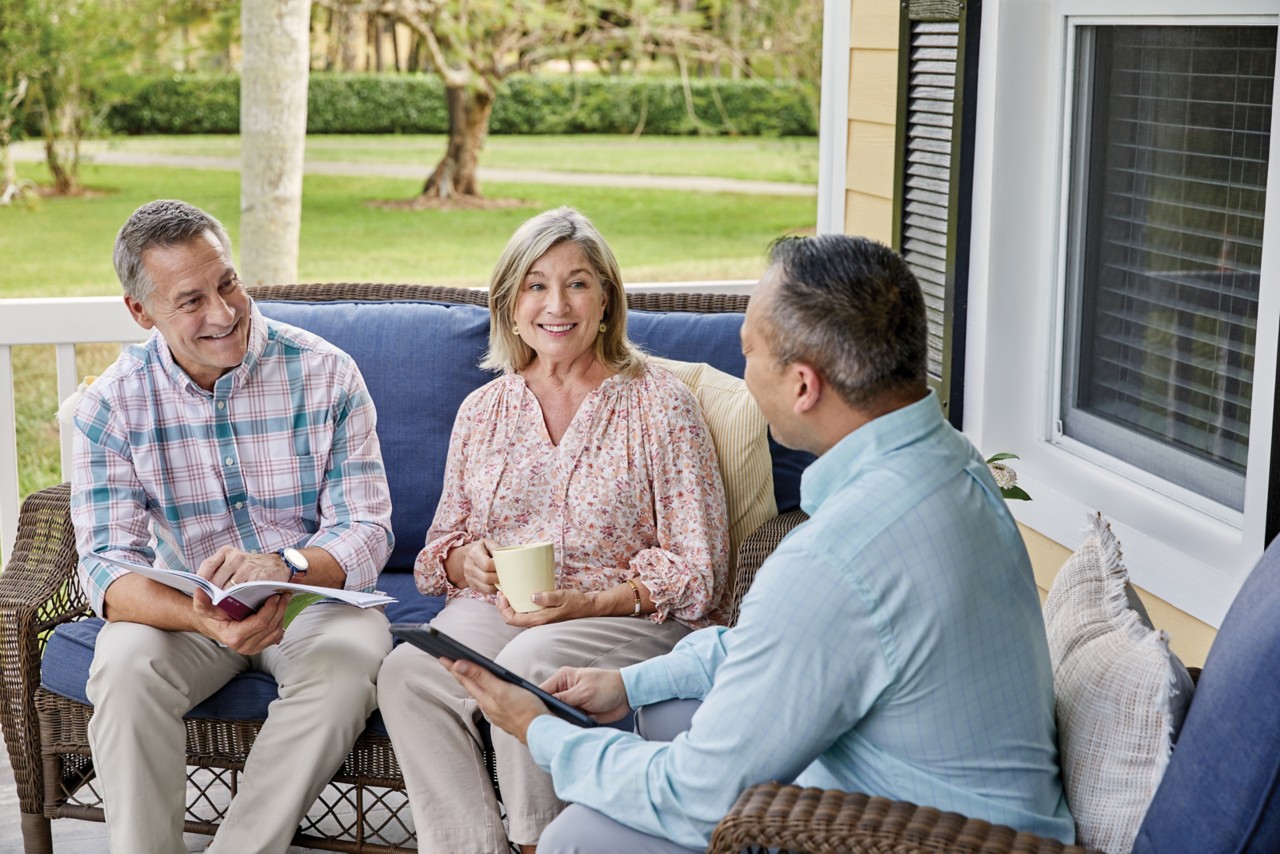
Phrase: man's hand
x=508 y=707
x=600 y=693
x=249 y=636
x=557 y=606
x=229 y=566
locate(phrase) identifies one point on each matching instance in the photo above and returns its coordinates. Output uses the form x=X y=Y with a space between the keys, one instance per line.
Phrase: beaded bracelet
x=635 y=590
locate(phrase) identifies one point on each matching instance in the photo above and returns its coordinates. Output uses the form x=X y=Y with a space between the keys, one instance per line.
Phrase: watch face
x=297 y=560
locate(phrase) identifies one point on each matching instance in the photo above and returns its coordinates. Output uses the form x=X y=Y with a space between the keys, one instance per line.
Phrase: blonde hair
x=508 y=351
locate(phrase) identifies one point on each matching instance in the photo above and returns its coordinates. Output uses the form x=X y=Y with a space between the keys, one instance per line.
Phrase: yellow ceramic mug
x=525 y=570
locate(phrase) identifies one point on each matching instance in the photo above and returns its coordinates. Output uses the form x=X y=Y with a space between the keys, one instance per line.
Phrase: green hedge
x=529 y=104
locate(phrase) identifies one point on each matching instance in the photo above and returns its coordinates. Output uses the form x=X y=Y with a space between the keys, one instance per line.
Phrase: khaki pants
x=143 y=680
x=432 y=721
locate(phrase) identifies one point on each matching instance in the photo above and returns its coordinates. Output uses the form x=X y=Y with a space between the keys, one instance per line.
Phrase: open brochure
x=241 y=600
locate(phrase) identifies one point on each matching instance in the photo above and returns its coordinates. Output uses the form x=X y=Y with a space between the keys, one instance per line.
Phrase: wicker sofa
x=396 y=333
x=1218 y=794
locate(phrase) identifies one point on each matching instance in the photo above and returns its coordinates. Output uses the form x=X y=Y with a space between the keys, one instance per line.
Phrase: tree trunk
x=273 y=130
x=64 y=179
x=10 y=171
x=456 y=175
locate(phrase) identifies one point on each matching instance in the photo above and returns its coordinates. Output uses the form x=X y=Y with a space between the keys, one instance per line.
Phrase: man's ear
x=139 y=312
x=807 y=385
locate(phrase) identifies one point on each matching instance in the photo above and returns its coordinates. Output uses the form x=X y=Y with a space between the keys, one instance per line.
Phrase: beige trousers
x=143 y=680
x=432 y=721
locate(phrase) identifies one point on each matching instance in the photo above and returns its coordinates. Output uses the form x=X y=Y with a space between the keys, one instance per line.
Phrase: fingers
x=552 y=598
x=255 y=632
x=210 y=566
x=559 y=681
x=205 y=608
x=479 y=568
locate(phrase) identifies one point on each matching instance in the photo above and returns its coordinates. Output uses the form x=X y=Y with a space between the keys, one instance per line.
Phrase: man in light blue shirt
x=893 y=644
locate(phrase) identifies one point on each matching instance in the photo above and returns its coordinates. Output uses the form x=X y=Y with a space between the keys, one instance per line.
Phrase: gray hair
x=508 y=351
x=164 y=222
x=851 y=308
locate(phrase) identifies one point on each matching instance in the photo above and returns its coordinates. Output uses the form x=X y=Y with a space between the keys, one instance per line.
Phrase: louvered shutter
x=937 y=80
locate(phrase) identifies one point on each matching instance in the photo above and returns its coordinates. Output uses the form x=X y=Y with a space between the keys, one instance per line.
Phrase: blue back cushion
x=1221 y=792
x=419 y=360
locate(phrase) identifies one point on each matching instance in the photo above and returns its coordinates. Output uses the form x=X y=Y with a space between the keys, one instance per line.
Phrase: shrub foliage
x=526 y=104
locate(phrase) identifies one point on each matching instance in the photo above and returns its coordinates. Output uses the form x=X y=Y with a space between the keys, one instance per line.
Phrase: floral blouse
x=631 y=491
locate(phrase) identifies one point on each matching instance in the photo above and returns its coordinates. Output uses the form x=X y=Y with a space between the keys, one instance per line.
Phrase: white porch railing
x=63 y=323
x=67 y=322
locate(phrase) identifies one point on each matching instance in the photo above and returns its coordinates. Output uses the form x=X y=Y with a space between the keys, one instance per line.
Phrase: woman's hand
x=472 y=566
x=557 y=606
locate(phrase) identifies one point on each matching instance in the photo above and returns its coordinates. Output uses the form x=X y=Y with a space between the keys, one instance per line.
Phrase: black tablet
x=441 y=645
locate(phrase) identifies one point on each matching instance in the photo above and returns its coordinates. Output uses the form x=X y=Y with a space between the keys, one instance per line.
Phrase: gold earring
x=603 y=326
x=515 y=329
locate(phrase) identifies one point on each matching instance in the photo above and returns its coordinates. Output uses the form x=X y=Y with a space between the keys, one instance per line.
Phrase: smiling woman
x=583 y=443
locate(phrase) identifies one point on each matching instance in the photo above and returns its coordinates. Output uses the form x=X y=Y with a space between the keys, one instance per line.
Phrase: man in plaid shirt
x=239 y=449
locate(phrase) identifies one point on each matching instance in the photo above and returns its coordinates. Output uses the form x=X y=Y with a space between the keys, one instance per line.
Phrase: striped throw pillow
x=741 y=436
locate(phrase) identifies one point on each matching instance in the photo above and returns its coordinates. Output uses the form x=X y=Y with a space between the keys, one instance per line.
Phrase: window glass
x=1171 y=133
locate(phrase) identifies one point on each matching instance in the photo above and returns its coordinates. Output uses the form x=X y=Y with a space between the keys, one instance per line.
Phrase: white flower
x=1006 y=478
x=67 y=409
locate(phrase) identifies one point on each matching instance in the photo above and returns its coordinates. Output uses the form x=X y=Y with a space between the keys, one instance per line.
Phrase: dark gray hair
x=507 y=351
x=851 y=308
x=164 y=222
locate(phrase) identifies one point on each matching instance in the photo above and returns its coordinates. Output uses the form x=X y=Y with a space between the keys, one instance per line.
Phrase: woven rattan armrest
x=791 y=818
x=753 y=551
x=38 y=591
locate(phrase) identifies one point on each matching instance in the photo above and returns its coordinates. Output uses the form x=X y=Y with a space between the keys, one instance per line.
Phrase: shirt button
x=239 y=505
x=229 y=461
x=222 y=404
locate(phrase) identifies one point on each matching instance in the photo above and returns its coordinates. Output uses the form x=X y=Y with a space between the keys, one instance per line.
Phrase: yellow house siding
x=870 y=166
x=873 y=81
x=1188 y=637
x=869 y=216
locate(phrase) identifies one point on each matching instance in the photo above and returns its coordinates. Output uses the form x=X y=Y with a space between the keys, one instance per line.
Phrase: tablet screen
x=439 y=644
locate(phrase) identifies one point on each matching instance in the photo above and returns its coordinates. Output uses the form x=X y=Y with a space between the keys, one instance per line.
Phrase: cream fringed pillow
x=741 y=437
x=1121 y=695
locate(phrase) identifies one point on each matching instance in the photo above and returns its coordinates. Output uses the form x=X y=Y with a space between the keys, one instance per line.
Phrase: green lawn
x=793 y=159
x=63 y=247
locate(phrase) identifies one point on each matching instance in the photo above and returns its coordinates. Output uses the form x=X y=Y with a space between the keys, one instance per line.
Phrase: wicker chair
x=363 y=810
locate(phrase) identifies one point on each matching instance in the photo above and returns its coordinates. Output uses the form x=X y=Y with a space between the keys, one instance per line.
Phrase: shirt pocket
x=284 y=492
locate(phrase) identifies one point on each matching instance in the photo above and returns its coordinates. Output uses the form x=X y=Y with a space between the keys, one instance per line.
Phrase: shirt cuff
x=545 y=735
x=360 y=559
x=647 y=682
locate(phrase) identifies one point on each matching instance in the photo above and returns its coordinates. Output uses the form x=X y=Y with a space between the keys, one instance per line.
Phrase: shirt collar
x=840 y=465
x=232 y=380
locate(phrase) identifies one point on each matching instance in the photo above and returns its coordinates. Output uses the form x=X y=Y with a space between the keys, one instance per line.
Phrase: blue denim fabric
x=1221 y=792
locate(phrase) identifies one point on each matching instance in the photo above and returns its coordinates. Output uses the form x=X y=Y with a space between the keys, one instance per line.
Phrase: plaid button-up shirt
x=282 y=452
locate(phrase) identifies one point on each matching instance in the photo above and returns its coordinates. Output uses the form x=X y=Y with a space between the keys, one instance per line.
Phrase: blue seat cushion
x=64 y=669
x=1221 y=791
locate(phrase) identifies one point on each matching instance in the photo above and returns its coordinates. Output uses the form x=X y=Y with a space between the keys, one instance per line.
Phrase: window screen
x=1169 y=171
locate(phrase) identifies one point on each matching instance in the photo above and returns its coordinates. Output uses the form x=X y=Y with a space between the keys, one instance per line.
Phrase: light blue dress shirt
x=892 y=645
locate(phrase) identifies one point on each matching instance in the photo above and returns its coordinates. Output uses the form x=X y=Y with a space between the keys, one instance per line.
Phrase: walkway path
x=30 y=153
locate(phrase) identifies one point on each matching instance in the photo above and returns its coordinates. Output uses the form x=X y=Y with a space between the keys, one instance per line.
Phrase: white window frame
x=1189 y=551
